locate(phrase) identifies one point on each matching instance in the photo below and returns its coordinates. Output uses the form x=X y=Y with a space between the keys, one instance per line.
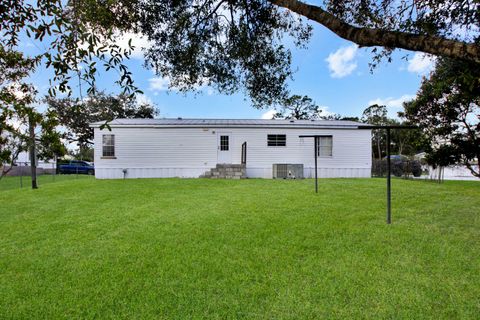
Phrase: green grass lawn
x=10 y=183
x=219 y=249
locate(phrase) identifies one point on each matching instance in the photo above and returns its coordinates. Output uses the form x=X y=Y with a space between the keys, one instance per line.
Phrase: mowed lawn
x=9 y=183
x=253 y=249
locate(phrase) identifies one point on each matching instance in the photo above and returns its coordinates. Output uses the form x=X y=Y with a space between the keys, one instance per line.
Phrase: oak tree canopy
x=231 y=45
x=240 y=44
x=447 y=108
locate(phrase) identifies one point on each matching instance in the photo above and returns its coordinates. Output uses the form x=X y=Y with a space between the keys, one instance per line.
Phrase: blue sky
x=332 y=71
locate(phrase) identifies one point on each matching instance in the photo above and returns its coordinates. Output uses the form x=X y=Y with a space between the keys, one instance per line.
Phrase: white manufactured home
x=191 y=148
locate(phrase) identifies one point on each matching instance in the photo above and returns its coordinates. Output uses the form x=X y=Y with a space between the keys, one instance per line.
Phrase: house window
x=324 y=146
x=108 y=144
x=224 y=146
x=276 y=140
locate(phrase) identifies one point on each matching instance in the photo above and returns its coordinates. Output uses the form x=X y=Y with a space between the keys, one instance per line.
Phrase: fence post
x=21 y=176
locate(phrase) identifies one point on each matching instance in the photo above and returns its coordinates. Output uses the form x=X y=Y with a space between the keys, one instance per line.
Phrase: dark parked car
x=402 y=165
x=77 y=166
x=397 y=157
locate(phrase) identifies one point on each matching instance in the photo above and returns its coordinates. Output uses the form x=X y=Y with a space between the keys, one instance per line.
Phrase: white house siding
x=156 y=152
x=189 y=152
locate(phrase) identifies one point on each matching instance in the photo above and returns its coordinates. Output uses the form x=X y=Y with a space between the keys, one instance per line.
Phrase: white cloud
x=269 y=114
x=421 y=63
x=325 y=112
x=138 y=41
x=17 y=124
x=143 y=99
x=159 y=84
x=391 y=102
x=341 y=63
x=22 y=92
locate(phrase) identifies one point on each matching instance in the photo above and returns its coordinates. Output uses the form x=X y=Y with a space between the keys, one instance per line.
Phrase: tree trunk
x=400 y=147
x=369 y=37
x=33 y=158
x=379 y=148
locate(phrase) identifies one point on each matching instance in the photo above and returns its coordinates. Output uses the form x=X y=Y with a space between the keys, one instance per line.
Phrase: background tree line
x=64 y=127
x=404 y=142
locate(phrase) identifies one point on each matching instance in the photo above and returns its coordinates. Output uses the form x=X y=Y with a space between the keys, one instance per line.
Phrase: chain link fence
x=19 y=176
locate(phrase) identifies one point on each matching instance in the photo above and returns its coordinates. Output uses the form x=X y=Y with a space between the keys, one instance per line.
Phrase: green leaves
x=298 y=107
x=231 y=46
x=447 y=108
x=76 y=114
x=73 y=37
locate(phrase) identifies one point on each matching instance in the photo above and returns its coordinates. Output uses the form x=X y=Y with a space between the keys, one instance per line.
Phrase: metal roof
x=179 y=122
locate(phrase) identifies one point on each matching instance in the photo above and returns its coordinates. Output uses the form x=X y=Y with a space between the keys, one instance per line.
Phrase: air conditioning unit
x=287 y=171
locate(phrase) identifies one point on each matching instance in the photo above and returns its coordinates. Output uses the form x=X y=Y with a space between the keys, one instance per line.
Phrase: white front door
x=224 y=147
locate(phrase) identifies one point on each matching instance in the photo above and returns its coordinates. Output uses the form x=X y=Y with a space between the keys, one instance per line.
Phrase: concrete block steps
x=226 y=171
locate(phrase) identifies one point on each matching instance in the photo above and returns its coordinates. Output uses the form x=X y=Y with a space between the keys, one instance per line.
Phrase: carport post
x=315 y=155
x=389 y=168
x=315 y=148
x=389 y=181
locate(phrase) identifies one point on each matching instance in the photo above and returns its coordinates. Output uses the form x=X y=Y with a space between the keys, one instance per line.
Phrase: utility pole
x=32 y=151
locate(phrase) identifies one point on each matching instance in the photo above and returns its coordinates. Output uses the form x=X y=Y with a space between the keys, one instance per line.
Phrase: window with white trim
x=325 y=145
x=277 y=140
x=108 y=145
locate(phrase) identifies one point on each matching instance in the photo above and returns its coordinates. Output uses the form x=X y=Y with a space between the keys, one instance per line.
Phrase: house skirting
x=195 y=172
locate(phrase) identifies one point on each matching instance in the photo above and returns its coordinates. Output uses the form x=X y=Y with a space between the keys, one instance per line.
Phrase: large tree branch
x=5 y=170
x=368 y=37
x=472 y=171
x=11 y=162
